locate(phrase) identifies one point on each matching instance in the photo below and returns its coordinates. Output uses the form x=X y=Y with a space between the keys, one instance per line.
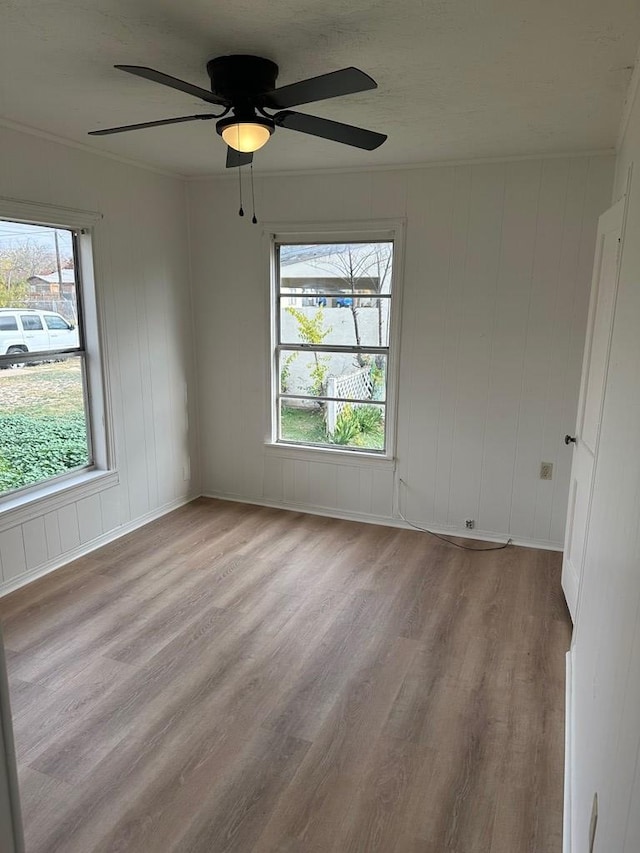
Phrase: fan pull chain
x=241 y=211
x=253 y=199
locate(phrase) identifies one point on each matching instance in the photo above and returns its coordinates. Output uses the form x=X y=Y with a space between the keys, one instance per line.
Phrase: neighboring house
x=46 y=293
x=50 y=286
x=308 y=277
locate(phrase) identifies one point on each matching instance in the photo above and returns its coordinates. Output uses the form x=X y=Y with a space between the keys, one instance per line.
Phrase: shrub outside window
x=333 y=305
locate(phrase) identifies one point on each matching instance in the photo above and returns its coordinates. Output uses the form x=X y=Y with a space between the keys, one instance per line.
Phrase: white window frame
x=335 y=232
x=22 y=504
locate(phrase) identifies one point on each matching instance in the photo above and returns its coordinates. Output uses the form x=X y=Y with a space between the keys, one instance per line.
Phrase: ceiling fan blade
x=334 y=130
x=237 y=158
x=173 y=82
x=347 y=81
x=108 y=130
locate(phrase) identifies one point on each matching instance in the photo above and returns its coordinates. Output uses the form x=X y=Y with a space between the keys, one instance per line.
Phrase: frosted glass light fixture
x=245 y=136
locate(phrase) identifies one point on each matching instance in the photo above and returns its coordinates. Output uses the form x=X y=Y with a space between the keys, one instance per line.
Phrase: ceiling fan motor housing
x=245 y=86
x=240 y=77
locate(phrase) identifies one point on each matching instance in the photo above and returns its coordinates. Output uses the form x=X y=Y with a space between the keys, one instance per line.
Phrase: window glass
x=8 y=323
x=54 y=322
x=30 y=322
x=355 y=325
x=44 y=426
x=345 y=375
x=355 y=427
x=347 y=268
x=333 y=307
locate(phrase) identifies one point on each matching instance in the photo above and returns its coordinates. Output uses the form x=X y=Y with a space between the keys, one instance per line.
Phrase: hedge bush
x=35 y=448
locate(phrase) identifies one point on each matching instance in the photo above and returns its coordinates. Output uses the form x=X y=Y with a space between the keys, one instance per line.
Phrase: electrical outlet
x=546 y=470
x=469 y=524
x=593 y=824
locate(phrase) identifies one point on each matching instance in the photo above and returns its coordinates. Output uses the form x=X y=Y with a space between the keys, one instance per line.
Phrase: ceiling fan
x=245 y=86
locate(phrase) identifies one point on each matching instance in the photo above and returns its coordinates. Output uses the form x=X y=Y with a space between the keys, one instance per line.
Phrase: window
x=55 y=322
x=31 y=322
x=51 y=414
x=332 y=313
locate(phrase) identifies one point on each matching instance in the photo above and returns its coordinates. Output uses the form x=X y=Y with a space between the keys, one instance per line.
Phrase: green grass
x=42 y=423
x=369 y=441
x=303 y=425
x=43 y=389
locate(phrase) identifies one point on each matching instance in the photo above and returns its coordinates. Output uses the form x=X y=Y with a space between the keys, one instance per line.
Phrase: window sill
x=327 y=454
x=47 y=498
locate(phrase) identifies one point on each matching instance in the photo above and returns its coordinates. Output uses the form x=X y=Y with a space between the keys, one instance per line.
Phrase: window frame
x=334 y=232
x=20 y=504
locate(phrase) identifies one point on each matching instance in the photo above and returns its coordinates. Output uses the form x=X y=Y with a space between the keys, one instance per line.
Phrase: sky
x=16 y=232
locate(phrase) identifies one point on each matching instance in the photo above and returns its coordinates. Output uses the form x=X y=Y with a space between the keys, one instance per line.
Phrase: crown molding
x=341 y=170
x=403 y=167
x=632 y=93
x=81 y=146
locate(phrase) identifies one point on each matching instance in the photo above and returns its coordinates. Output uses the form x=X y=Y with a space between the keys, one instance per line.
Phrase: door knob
x=570 y=439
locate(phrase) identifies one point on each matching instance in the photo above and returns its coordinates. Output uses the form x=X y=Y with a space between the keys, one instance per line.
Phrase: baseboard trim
x=385 y=521
x=86 y=548
x=568 y=755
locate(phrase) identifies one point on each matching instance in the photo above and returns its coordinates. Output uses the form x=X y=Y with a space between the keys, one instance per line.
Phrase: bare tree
x=18 y=263
x=352 y=264
x=381 y=262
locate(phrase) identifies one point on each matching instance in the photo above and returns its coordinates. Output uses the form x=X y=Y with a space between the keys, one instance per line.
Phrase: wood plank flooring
x=238 y=678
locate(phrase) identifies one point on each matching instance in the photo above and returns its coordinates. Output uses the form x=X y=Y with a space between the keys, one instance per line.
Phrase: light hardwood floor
x=238 y=678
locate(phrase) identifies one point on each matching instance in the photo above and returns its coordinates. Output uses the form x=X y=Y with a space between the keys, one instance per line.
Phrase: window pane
x=350 y=376
x=31 y=322
x=8 y=323
x=302 y=421
x=43 y=428
x=342 y=320
x=55 y=321
x=345 y=425
x=336 y=268
x=37 y=270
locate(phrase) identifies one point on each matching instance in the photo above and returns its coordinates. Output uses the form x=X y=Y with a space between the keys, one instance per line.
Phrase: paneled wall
x=606 y=649
x=497 y=272
x=142 y=274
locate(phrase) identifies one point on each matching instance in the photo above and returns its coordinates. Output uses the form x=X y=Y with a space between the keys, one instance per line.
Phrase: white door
x=594 y=370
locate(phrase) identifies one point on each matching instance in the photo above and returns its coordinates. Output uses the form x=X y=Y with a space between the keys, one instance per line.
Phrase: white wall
x=606 y=651
x=497 y=270
x=142 y=272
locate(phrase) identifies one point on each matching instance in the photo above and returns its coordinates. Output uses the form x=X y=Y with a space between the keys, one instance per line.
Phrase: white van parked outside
x=28 y=330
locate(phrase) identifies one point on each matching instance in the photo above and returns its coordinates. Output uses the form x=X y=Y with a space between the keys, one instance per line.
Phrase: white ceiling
x=457 y=79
